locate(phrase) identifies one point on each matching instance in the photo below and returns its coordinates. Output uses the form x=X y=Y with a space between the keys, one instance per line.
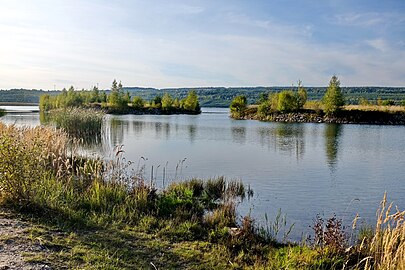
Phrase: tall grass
x=386 y=250
x=27 y=156
x=78 y=122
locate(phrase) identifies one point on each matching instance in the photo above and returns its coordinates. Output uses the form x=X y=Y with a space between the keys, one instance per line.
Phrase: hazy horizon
x=188 y=44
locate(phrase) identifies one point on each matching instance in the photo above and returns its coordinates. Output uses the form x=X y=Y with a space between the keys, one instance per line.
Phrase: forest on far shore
x=222 y=96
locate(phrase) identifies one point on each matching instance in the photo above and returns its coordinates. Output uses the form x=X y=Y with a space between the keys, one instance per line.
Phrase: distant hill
x=222 y=96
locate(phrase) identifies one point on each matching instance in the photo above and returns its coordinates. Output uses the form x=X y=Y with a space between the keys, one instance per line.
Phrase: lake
x=302 y=169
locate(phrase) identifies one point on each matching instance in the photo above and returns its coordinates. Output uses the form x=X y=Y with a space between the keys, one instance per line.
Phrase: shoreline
x=342 y=117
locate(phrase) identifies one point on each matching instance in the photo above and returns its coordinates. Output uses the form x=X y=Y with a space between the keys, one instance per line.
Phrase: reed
x=387 y=247
x=79 y=122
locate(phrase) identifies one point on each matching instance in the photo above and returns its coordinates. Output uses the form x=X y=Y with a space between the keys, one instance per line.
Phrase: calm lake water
x=302 y=169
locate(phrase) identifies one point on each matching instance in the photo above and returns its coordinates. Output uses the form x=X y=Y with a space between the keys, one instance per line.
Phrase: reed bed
x=78 y=122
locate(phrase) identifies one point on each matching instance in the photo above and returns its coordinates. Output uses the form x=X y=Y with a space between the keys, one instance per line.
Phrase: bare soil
x=15 y=242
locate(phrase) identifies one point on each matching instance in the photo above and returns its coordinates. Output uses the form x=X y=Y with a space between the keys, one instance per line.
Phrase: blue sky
x=47 y=43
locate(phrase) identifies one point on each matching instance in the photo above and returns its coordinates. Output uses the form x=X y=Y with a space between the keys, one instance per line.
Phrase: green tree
x=95 y=95
x=137 y=102
x=167 y=102
x=157 y=102
x=190 y=103
x=333 y=99
x=238 y=106
x=302 y=95
x=116 y=98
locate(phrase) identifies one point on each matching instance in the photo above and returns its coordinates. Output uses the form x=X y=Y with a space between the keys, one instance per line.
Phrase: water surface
x=304 y=169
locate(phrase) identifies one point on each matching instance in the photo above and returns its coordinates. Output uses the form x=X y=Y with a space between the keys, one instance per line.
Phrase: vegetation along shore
x=67 y=211
x=293 y=106
x=119 y=102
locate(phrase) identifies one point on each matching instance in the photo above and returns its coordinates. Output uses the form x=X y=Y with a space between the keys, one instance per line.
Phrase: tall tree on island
x=333 y=99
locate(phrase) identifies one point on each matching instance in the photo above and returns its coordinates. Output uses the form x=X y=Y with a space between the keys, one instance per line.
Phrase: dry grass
x=26 y=155
x=379 y=108
x=387 y=248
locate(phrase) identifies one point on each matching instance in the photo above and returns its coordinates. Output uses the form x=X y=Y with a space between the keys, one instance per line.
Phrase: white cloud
x=379 y=44
x=368 y=19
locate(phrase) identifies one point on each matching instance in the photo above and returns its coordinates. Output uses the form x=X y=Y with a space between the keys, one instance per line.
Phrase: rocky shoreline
x=343 y=117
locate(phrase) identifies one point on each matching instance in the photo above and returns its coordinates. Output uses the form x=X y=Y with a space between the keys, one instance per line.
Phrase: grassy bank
x=95 y=214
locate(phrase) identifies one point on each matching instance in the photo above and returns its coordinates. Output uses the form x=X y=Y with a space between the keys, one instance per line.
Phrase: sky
x=51 y=44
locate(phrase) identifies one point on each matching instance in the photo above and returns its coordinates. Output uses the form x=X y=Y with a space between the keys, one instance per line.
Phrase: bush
x=137 y=102
x=238 y=106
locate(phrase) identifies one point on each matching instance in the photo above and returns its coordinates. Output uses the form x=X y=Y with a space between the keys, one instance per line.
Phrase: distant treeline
x=222 y=96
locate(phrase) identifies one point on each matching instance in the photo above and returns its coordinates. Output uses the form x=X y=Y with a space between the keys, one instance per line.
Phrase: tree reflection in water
x=332 y=134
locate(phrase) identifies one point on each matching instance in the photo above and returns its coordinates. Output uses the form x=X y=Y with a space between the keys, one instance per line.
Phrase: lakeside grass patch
x=78 y=122
x=93 y=214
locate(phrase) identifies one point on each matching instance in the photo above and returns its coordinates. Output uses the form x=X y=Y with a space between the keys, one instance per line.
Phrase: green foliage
x=403 y=102
x=27 y=156
x=301 y=96
x=137 y=102
x=238 y=106
x=333 y=99
x=157 y=102
x=77 y=121
x=363 y=101
x=71 y=99
x=284 y=101
x=2 y=112
x=117 y=99
x=388 y=102
x=167 y=102
x=190 y=103
x=287 y=102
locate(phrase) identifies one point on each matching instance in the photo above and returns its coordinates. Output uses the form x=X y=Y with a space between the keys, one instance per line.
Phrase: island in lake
x=292 y=106
x=119 y=102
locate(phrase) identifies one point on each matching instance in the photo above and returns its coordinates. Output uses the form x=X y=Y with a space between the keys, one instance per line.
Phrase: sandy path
x=14 y=243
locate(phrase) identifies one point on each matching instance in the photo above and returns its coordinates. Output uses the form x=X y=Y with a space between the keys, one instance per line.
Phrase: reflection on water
x=239 y=134
x=116 y=129
x=332 y=135
x=287 y=138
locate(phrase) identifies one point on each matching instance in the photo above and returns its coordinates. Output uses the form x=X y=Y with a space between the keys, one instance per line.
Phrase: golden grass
x=26 y=154
x=387 y=248
x=379 y=108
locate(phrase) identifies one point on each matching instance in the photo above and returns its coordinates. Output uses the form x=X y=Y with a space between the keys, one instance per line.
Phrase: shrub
x=287 y=102
x=137 y=102
x=330 y=234
x=238 y=106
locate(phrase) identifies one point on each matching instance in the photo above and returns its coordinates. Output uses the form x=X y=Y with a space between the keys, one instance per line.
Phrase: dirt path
x=14 y=242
